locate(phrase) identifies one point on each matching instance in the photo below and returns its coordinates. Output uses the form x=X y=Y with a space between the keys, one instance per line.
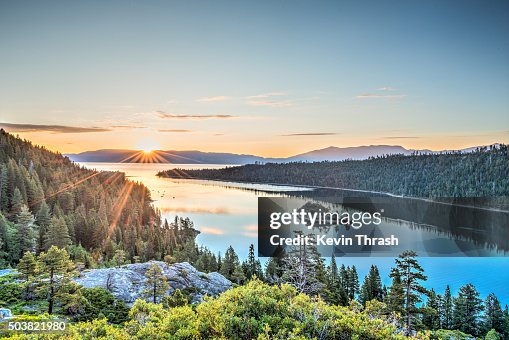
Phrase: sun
x=147 y=145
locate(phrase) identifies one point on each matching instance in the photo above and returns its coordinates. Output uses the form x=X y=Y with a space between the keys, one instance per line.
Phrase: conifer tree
x=156 y=284
x=25 y=232
x=27 y=267
x=56 y=268
x=395 y=299
x=432 y=311
x=467 y=309
x=493 y=315
x=43 y=220
x=371 y=287
x=252 y=266
x=410 y=273
x=57 y=234
x=230 y=262
x=119 y=258
x=447 y=309
x=17 y=202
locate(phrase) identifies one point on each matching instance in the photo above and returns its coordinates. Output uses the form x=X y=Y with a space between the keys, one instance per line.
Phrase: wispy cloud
x=377 y=95
x=214 y=99
x=50 y=128
x=269 y=99
x=380 y=96
x=128 y=127
x=271 y=103
x=170 y=130
x=267 y=95
x=311 y=134
x=400 y=137
x=164 y=115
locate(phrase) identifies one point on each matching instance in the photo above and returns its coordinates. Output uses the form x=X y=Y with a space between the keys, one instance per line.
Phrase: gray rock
x=128 y=282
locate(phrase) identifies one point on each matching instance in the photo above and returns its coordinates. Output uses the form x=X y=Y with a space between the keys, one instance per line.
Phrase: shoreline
x=429 y=200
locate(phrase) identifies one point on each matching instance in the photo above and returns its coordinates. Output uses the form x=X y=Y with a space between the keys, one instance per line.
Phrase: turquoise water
x=226 y=214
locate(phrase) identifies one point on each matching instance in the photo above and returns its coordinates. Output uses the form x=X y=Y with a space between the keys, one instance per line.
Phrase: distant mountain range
x=331 y=153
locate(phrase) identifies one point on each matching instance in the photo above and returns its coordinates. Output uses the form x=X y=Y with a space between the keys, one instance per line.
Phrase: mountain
x=331 y=153
x=171 y=156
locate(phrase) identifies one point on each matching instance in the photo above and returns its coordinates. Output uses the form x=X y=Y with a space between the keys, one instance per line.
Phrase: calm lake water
x=226 y=214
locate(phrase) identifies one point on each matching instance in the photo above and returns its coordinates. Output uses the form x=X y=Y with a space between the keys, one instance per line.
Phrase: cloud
x=387 y=88
x=212 y=231
x=128 y=127
x=169 y=130
x=271 y=103
x=380 y=96
x=267 y=95
x=185 y=116
x=214 y=99
x=400 y=137
x=267 y=99
x=50 y=128
x=252 y=227
x=311 y=134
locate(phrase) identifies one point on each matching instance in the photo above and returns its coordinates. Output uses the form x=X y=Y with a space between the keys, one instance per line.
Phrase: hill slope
x=46 y=199
x=484 y=172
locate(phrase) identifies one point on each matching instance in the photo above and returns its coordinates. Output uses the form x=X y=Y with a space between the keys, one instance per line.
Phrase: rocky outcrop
x=128 y=282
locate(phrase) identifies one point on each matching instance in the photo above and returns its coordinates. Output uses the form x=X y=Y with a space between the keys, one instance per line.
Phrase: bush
x=100 y=301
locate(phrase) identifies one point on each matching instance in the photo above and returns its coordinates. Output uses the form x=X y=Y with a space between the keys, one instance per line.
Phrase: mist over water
x=226 y=214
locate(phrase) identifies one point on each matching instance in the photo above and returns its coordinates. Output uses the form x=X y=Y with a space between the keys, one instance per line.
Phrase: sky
x=271 y=78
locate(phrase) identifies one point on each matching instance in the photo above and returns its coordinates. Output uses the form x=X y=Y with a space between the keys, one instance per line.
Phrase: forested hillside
x=46 y=200
x=482 y=173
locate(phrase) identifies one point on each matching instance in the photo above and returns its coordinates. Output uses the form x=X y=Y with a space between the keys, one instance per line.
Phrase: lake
x=226 y=214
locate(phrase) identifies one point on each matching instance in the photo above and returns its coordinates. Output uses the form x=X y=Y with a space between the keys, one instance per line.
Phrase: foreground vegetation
x=256 y=310
x=57 y=219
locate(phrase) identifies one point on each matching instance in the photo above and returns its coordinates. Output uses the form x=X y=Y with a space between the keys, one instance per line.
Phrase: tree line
x=481 y=173
x=46 y=200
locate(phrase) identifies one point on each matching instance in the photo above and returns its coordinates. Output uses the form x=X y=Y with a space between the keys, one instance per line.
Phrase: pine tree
x=252 y=266
x=27 y=267
x=119 y=257
x=395 y=299
x=467 y=309
x=25 y=232
x=274 y=267
x=230 y=262
x=410 y=273
x=17 y=202
x=43 y=220
x=57 y=234
x=56 y=268
x=335 y=291
x=303 y=269
x=447 y=309
x=353 y=282
x=156 y=284
x=238 y=275
x=432 y=311
x=493 y=315
x=371 y=287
